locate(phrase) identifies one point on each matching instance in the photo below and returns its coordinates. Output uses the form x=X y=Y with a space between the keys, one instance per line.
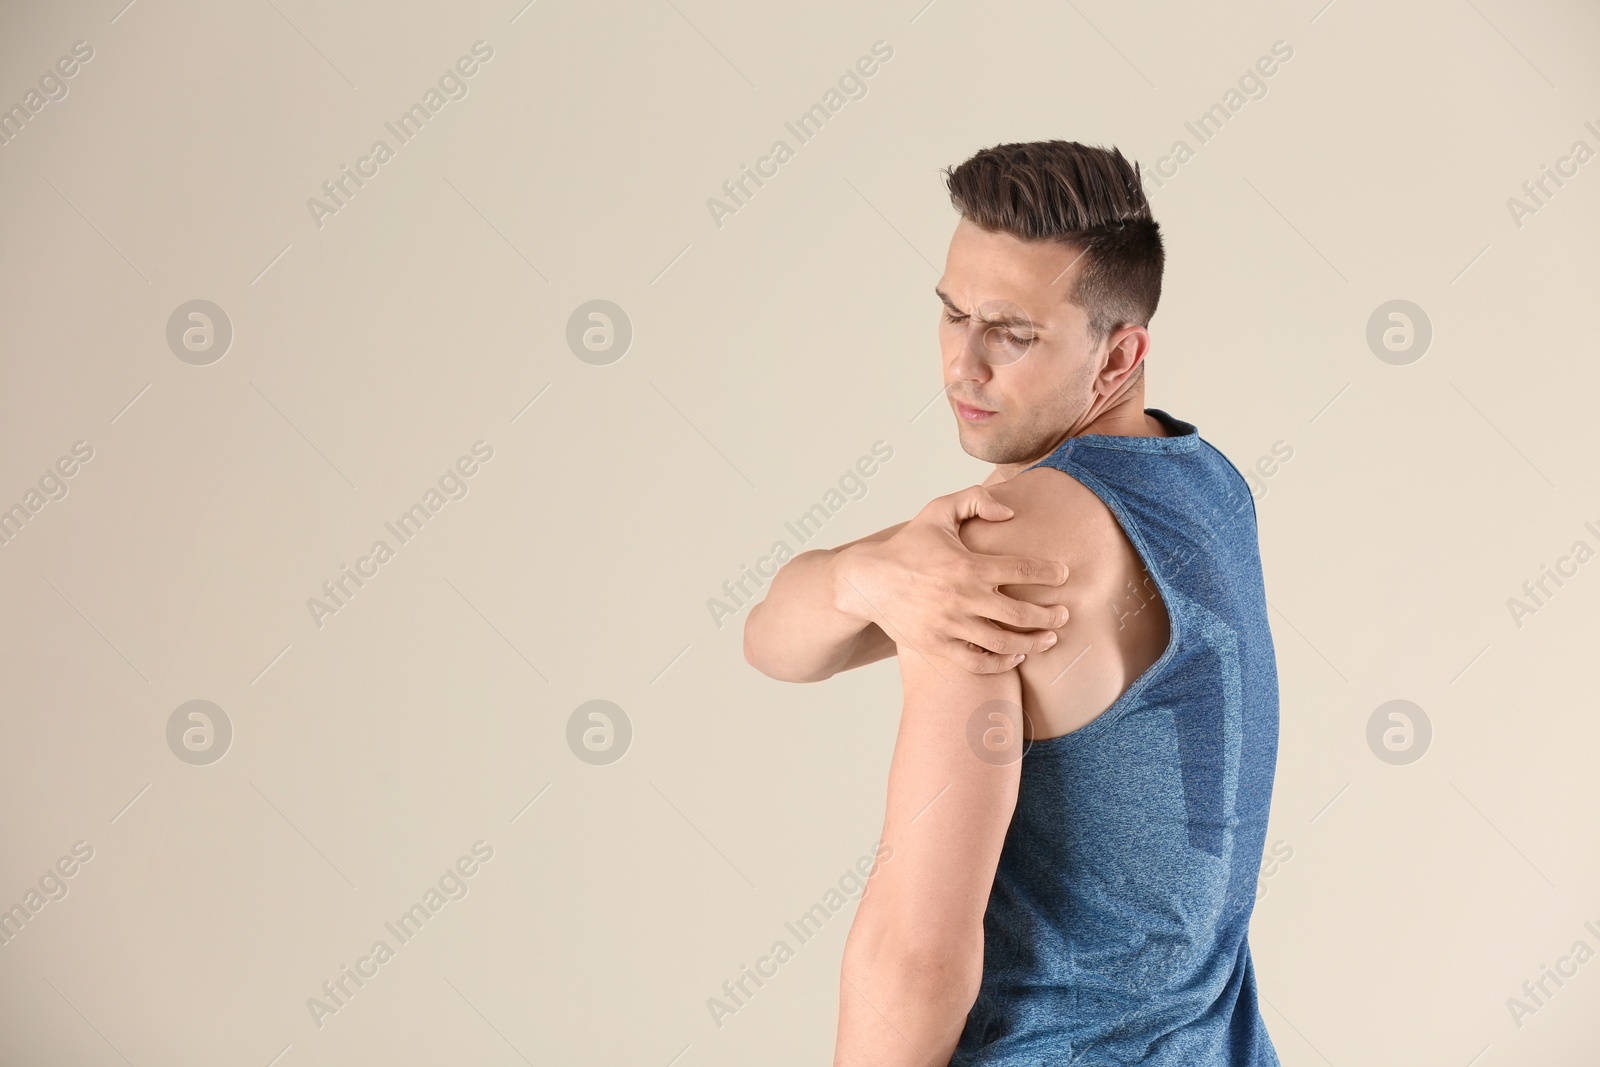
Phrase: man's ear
x=1126 y=349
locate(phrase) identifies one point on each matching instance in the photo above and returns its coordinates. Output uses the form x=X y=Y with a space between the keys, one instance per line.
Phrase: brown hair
x=1087 y=197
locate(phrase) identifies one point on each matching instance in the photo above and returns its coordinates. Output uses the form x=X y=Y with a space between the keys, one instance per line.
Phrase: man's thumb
x=977 y=501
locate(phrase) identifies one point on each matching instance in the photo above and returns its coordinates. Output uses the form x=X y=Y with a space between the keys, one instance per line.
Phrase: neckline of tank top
x=1185 y=438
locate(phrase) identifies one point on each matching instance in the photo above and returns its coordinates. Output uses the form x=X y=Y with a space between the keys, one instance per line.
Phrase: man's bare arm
x=799 y=632
x=913 y=960
x=914 y=584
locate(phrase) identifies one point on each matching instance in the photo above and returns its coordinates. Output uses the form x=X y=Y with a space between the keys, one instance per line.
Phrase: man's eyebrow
x=1007 y=319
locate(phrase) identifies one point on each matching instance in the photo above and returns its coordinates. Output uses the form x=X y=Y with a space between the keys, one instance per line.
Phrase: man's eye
x=994 y=334
x=1000 y=335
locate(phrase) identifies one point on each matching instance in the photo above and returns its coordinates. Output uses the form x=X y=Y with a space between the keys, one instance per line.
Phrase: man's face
x=1019 y=369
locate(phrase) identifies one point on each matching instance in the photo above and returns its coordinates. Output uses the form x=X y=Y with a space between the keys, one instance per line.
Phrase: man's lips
x=972 y=414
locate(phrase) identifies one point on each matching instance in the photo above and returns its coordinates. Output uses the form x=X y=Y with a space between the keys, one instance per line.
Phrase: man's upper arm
x=957 y=761
x=952 y=789
x=956 y=767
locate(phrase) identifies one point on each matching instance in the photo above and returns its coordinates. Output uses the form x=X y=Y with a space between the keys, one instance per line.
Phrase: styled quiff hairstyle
x=1086 y=197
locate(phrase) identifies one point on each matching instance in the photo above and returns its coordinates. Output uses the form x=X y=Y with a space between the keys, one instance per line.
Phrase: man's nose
x=974 y=360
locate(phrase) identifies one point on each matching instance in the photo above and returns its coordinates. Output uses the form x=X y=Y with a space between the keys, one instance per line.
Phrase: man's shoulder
x=1117 y=623
x=1053 y=515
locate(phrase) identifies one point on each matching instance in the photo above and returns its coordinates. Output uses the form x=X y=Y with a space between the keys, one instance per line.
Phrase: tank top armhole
x=1171 y=602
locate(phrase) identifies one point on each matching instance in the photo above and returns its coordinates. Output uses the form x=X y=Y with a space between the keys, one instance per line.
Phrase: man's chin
x=980 y=445
x=991 y=448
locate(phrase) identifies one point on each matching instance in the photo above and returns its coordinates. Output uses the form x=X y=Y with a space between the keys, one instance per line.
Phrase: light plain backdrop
x=371 y=749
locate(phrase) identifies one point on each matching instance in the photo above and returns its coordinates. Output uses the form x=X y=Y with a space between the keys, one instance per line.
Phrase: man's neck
x=1124 y=418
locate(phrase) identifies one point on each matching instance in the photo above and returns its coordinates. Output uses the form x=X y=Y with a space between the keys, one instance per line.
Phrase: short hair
x=1086 y=197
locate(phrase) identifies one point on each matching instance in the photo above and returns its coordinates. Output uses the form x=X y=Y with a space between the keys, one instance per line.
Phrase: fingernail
x=1049 y=639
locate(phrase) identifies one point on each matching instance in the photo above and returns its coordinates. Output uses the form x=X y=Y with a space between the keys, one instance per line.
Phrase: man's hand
x=927 y=591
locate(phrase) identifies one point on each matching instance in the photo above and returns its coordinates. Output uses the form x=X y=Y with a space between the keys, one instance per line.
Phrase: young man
x=1079 y=790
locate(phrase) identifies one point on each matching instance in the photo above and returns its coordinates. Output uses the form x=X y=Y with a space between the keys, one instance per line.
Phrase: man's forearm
x=799 y=633
x=896 y=1010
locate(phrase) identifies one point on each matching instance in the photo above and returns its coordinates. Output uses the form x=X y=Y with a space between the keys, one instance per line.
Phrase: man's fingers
x=1022 y=614
x=978 y=661
x=1021 y=570
x=976 y=501
x=1010 y=642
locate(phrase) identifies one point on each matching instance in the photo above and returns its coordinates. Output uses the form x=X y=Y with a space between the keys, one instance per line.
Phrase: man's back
x=1116 y=927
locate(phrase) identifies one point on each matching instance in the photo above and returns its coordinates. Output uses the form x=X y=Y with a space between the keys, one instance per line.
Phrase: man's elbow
x=944 y=972
x=755 y=652
x=758 y=653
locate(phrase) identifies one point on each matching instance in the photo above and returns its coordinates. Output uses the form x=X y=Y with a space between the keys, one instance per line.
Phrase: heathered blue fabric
x=1116 y=930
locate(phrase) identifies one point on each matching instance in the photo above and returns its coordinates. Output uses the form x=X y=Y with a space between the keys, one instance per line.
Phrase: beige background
x=768 y=355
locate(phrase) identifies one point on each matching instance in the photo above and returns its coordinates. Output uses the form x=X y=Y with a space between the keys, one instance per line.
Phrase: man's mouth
x=968 y=413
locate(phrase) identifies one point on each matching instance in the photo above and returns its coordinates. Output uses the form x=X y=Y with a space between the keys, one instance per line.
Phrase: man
x=1080 y=784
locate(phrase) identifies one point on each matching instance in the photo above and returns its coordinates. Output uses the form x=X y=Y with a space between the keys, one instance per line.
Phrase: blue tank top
x=1116 y=929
